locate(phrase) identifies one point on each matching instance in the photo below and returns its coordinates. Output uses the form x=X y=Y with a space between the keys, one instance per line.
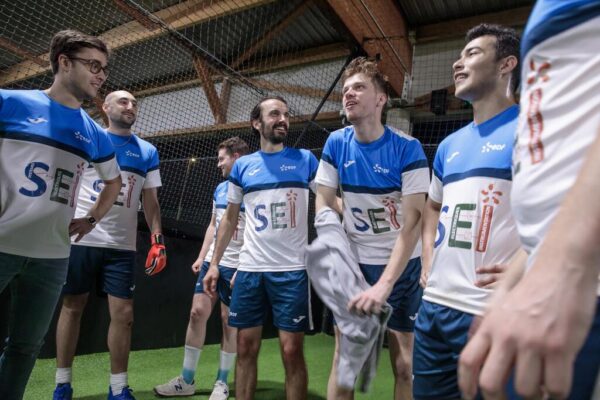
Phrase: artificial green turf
x=151 y=367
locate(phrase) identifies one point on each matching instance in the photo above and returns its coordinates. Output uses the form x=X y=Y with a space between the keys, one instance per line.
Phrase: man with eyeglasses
x=46 y=142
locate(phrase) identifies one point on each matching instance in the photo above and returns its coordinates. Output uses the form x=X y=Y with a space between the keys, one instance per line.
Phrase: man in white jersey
x=46 y=140
x=202 y=304
x=273 y=184
x=469 y=210
x=383 y=176
x=108 y=251
x=547 y=326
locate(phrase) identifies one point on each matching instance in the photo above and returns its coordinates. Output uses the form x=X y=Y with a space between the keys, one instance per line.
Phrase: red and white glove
x=157 y=256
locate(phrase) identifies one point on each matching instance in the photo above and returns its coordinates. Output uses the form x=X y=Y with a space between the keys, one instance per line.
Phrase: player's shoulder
x=147 y=148
x=222 y=186
x=20 y=94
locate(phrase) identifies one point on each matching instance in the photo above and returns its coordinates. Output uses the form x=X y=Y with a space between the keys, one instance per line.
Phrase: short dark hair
x=234 y=145
x=507 y=44
x=69 y=42
x=369 y=68
x=257 y=110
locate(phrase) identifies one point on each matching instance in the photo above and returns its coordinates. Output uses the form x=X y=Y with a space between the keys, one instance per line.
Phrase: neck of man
x=269 y=147
x=368 y=129
x=492 y=104
x=60 y=93
x=121 y=131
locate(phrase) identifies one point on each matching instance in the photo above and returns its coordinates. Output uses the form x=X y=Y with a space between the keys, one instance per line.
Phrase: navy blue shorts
x=406 y=294
x=440 y=334
x=223 y=284
x=112 y=269
x=286 y=294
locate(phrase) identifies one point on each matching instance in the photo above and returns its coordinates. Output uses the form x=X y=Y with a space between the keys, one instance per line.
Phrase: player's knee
x=74 y=305
x=199 y=313
x=402 y=368
x=247 y=347
x=292 y=352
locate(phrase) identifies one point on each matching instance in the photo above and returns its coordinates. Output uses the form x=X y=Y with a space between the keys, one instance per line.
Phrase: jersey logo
x=349 y=163
x=36 y=121
x=413 y=317
x=449 y=159
x=380 y=170
x=132 y=154
x=492 y=147
x=491 y=199
x=79 y=136
x=253 y=172
x=284 y=167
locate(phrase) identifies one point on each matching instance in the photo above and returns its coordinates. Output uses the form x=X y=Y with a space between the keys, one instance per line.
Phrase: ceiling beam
x=225 y=96
x=515 y=18
x=268 y=36
x=204 y=72
x=380 y=27
x=324 y=116
x=136 y=14
x=133 y=32
x=15 y=49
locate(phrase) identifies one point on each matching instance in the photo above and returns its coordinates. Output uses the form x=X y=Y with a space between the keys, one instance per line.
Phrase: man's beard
x=272 y=137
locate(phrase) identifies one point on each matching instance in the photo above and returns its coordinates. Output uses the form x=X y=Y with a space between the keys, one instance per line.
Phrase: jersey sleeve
x=105 y=163
x=153 y=174
x=415 y=169
x=327 y=173
x=235 y=192
x=436 y=187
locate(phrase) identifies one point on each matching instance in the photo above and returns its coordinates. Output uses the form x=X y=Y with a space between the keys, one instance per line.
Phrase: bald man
x=107 y=253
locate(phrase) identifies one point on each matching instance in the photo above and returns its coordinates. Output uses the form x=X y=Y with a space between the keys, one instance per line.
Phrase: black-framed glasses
x=94 y=66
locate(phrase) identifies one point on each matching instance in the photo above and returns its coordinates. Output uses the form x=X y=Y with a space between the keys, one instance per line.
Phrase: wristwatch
x=91 y=220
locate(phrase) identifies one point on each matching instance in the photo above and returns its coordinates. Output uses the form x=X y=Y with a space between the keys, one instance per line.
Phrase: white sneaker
x=176 y=387
x=220 y=391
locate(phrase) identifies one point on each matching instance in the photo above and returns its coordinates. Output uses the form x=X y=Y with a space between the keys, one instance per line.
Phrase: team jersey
x=274 y=188
x=472 y=182
x=44 y=149
x=560 y=116
x=551 y=17
x=138 y=161
x=373 y=177
x=231 y=256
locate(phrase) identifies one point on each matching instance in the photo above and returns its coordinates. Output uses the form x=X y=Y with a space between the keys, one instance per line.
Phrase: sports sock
x=63 y=375
x=225 y=365
x=190 y=363
x=118 y=382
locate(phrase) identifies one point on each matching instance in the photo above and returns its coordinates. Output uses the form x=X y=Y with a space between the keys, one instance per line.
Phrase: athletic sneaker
x=220 y=391
x=63 y=391
x=124 y=395
x=175 y=387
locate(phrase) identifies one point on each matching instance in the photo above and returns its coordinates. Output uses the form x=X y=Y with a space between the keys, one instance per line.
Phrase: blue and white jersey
x=274 y=188
x=472 y=181
x=552 y=17
x=373 y=178
x=231 y=256
x=45 y=148
x=138 y=161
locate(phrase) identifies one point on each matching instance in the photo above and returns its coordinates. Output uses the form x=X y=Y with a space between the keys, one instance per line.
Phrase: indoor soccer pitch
x=148 y=368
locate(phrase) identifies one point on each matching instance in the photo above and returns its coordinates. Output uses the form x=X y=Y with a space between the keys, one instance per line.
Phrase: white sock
x=226 y=360
x=191 y=357
x=63 y=375
x=118 y=382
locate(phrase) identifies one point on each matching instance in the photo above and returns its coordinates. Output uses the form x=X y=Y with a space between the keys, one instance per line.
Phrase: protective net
x=197 y=67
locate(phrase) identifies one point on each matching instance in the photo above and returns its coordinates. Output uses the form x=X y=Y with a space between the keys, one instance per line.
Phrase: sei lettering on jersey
x=64 y=186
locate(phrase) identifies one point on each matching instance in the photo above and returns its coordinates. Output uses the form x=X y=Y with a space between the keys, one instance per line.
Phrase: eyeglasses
x=94 y=66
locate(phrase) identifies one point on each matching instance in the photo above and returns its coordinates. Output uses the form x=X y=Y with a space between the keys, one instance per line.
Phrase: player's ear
x=508 y=64
x=236 y=155
x=256 y=124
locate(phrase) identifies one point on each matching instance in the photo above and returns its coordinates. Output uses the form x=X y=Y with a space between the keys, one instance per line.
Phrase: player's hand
x=489 y=275
x=210 y=280
x=80 y=227
x=537 y=328
x=371 y=300
x=157 y=256
x=424 y=277
x=232 y=281
x=196 y=266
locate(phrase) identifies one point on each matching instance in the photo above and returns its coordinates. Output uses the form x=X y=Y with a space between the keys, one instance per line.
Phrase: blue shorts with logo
x=406 y=294
x=223 y=284
x=440 y=334
x=111 y=269
x=286 y=294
